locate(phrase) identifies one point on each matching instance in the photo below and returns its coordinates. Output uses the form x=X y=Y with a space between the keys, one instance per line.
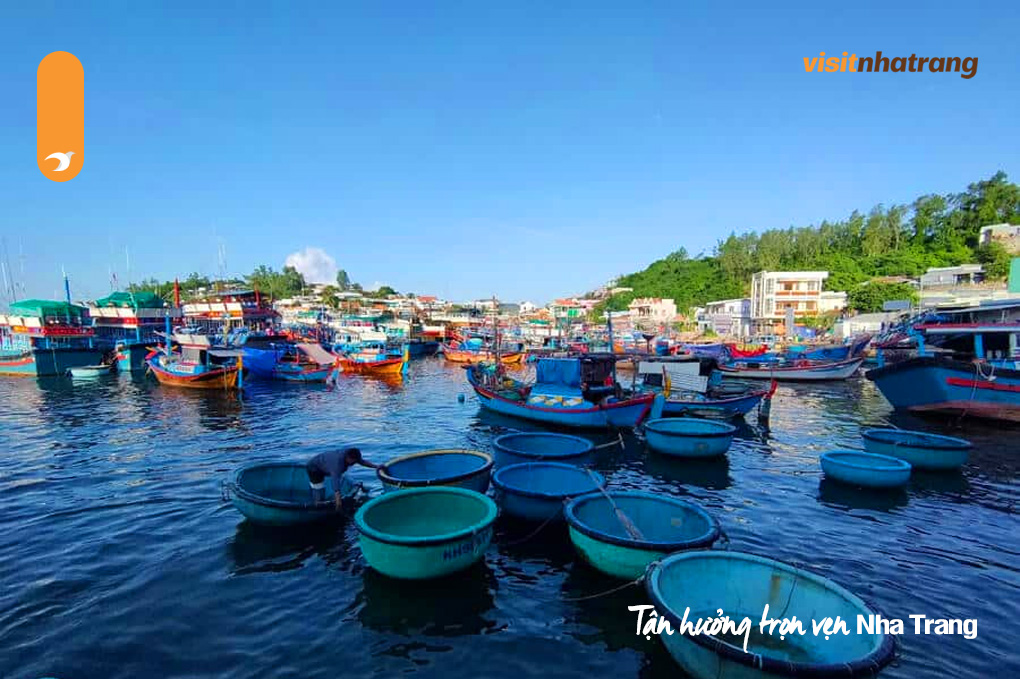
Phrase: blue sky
x=525 y=149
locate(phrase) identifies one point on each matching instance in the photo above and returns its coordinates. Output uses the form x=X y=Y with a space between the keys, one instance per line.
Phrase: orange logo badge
x=60 y=116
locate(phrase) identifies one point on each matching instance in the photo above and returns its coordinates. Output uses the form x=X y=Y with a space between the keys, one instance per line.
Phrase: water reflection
x=711 y=474
x=845 y=496
x=267 y=549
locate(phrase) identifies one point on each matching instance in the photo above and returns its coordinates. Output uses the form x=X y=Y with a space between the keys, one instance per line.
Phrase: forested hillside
x=901 y=240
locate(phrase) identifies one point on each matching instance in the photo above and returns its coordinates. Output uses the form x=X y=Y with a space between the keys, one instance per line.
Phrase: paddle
x=616 y=442
x=624 y=520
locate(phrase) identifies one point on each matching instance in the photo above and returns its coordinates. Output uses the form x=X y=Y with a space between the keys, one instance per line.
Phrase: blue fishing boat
x=621 y=532
x=568 y=392
x=791 y=370
x=695 y=387
x=689 y=437
x=424 y=533
x=129 y=323
x=449 y=467
x=963 y=362
x=922 y=450
x=40 y=338
x=536 y=491
x=274 y=357
x=542 y=447
x=695 y=585
x=418 y=347
x=865 y=469
x=278 y=494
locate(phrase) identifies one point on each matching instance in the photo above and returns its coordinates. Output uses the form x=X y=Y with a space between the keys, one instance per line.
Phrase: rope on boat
x=599 y=595
x=978 y=372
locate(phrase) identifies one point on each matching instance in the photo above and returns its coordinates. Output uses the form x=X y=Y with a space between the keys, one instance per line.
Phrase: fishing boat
x=129 y=323
x=473 y=351
x=374 y=358
x=963 y=362
x=694 y=585
x=799 y=370
x=40 y=338
x=447 y=467
x=278 y=494
x=695 y=387
x=196 y=364
x=920 y=449
x=90 y=372
x=568 y=392
x=423 y=533
x=865 y=469
x=278 y=358
x=536 y=491
x=621 y=532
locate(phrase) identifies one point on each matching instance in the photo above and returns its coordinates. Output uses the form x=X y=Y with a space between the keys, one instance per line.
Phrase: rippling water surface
x=118 y=557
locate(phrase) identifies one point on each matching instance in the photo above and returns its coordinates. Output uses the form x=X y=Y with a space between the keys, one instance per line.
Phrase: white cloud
x=314 y=264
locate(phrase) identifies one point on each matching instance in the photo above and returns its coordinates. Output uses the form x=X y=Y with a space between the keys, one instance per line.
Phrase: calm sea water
x=118 y=557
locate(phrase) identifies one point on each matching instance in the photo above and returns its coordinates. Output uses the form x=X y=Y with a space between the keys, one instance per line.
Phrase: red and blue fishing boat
x=792 y=370
x=374 y=358
x=695 y=386
x=129 y=323
x=568 y=392
x=197 y=363
x=963 y=362
x=40 y=338
x=275 y=357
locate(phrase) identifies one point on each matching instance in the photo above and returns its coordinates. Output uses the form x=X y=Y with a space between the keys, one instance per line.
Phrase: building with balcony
x=775 y=293
x=727 y=317
x=652 y=311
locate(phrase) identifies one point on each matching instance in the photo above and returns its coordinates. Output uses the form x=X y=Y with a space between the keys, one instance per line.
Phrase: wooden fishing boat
x=473 y=356
x=689 y=437
x=663 y=525
x=536 y=491
x=129 y=322
x=448 y=467
x=563 y=394
x=922 y=450
x=695 y=387
x=423 y=533
x=198 y=364
x=278 y=494
x=540 y=446
x=801 y=370
x=374 y=360
x=694 y=585
x=865 y=469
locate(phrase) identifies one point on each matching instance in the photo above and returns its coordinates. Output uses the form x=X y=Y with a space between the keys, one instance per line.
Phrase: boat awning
x=316 y=353
x=226 y=353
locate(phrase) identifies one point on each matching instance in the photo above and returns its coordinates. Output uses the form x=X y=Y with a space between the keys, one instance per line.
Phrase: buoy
x=460 y=398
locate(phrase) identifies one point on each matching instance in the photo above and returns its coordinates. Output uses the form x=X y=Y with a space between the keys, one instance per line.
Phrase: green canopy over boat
x=143 y=299
x=46 y=307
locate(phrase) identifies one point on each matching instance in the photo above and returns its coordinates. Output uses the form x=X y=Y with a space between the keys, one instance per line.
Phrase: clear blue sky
x=464 y=149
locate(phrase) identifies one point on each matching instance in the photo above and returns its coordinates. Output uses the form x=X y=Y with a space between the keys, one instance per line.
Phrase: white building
x=831 y=301
x=865 y=323
x=775 y=292
x=652 y=310
x=528 y=307
x=729 y=317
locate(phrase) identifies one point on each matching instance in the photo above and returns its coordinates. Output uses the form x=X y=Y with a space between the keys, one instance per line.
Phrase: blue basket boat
x=665 y=525
x=689 y=437
x=742 y=585
x=449 y=467
x=278 y=494
x=425 y=533
x=542 y=447
x=865 y=469
x=536 y=491
x=921 y=449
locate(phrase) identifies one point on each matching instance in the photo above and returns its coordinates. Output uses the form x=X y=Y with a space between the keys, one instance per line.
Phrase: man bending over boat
x=333 y=464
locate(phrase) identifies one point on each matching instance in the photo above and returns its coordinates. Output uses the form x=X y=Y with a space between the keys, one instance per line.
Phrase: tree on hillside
x=869 y=297
x=996 y=260
x=330 y=298
x=343 y=281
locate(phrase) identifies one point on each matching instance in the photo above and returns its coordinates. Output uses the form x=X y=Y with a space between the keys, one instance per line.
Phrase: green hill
x=901 y=240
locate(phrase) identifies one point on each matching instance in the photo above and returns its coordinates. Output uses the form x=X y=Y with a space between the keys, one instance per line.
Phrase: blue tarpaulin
x=564 y=371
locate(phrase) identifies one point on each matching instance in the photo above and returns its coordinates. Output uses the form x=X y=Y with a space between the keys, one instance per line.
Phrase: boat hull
x=390 y=366
x=626 y=414
x=737 y=406
x=689 y=437
x=536 y=491
x=458 y=468
x=48 y=362
x=839 y=370
x=221 y=378
x=472 y=357
x=944 y=386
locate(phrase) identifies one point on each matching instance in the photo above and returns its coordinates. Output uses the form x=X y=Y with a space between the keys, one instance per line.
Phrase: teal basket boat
x=536 y=491
x=742 y=585
x=449 y=467
x=922 y=450
x=865 y=469
x=424 y=533
x=542 y=447
x=664 y=525
x=689 y=436
x=278 y=494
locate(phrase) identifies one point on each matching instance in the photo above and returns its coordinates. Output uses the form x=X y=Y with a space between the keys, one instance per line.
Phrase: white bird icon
x=64 y=158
